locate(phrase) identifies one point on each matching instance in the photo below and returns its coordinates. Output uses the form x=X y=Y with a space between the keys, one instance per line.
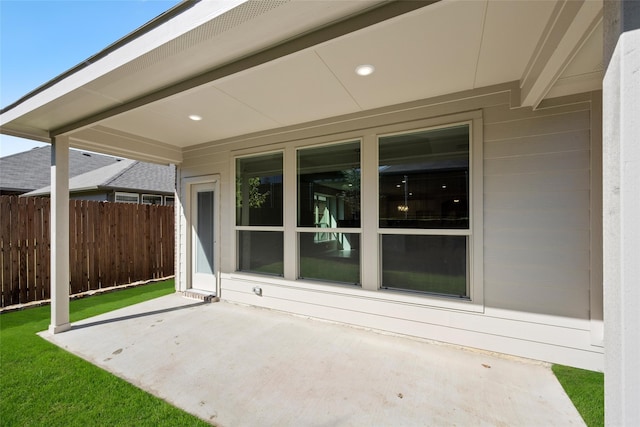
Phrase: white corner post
x=621 y=211
x=60 y=235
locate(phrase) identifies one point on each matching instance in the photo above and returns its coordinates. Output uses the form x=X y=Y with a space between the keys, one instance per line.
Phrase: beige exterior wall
x=538 y=292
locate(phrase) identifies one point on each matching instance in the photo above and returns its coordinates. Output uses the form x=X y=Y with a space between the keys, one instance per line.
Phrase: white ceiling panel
x=429 y=52
x=511 y=33
x=254 y=26
x=168 y=120
x=294 y=89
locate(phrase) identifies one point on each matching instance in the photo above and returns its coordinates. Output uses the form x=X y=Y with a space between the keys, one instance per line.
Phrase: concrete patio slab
x=242 y=366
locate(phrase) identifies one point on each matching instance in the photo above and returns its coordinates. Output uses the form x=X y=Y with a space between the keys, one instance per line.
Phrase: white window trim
x=370 y=231
x=152 y=195
x=232 y=199
x=122 y=193
x=304 y=145
x=475 y=300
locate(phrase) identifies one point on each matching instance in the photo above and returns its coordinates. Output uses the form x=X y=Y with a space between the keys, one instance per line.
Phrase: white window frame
x=158 y=196
x=167 y=198
x=382 y=231
x=238 y=228
x=329 y=230
x=475 y=270
x=369 y=226
x=124 y=194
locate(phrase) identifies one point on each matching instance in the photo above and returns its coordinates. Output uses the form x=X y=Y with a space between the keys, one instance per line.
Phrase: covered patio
x=235 y=365
x=274 y=111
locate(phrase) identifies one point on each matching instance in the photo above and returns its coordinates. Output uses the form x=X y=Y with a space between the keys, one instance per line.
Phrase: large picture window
x=395 y=209
x=328 y=211
x=259 y=220
x=424 y=210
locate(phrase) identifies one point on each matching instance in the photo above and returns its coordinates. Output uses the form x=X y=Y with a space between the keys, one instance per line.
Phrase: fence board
x=73 y=246
x=5 y=250
x=106 y=245
x=37 y=250
x=30 y=251
x=22 y=249
x=109 y=244
x=86 y=249
x=46 y=247
x=95 y=255
x=15 y=253
x=114 y=249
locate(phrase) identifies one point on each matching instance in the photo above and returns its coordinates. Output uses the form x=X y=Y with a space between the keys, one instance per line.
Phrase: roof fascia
x=337 y=29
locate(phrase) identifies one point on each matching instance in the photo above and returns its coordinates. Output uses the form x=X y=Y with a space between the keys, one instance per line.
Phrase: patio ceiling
x=254 y=66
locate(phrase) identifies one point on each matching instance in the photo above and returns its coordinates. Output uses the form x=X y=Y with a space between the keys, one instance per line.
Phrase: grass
x=586 y=391
x=41 y=384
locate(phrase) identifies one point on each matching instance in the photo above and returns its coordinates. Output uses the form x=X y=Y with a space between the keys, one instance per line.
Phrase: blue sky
x=40 y=39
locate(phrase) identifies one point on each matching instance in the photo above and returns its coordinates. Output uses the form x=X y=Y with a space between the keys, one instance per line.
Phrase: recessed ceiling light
x=365 y=69
x=195 y=117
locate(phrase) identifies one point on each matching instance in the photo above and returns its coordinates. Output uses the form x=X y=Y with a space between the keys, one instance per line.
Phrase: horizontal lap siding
x=536 y=210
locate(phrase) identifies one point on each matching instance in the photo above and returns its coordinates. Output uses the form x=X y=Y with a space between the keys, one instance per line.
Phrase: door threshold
x=200 y=295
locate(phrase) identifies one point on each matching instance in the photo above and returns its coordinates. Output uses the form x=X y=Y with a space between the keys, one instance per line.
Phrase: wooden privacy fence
x=109 y=244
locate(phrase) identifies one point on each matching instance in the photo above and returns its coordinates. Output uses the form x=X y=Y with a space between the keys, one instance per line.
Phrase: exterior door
x=203 y=237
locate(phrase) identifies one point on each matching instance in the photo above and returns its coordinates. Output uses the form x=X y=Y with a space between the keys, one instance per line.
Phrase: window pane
x=329 y=186
x=424 y=179
x=204 y=232
x=436 y=264
x=260 y=252
x=127 y=198
x=259 y=190
x=151 y=199
x=333 y=257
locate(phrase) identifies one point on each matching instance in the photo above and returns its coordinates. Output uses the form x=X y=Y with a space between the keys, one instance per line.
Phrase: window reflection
x=424 y=179
x=329 y=186
x=335 y=258
x=261 y=252
x=329 y=200
x=435 y=264
x=259 y=190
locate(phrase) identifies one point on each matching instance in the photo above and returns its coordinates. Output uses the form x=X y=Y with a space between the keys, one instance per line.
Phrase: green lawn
x=41 y=384
x=586 y=391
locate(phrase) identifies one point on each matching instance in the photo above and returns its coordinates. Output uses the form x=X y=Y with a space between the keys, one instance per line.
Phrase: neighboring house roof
x=146 y=177
x=124 y=175
x=30 y=170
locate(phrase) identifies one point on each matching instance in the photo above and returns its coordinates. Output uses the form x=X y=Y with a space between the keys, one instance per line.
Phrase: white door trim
x=188 y=185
